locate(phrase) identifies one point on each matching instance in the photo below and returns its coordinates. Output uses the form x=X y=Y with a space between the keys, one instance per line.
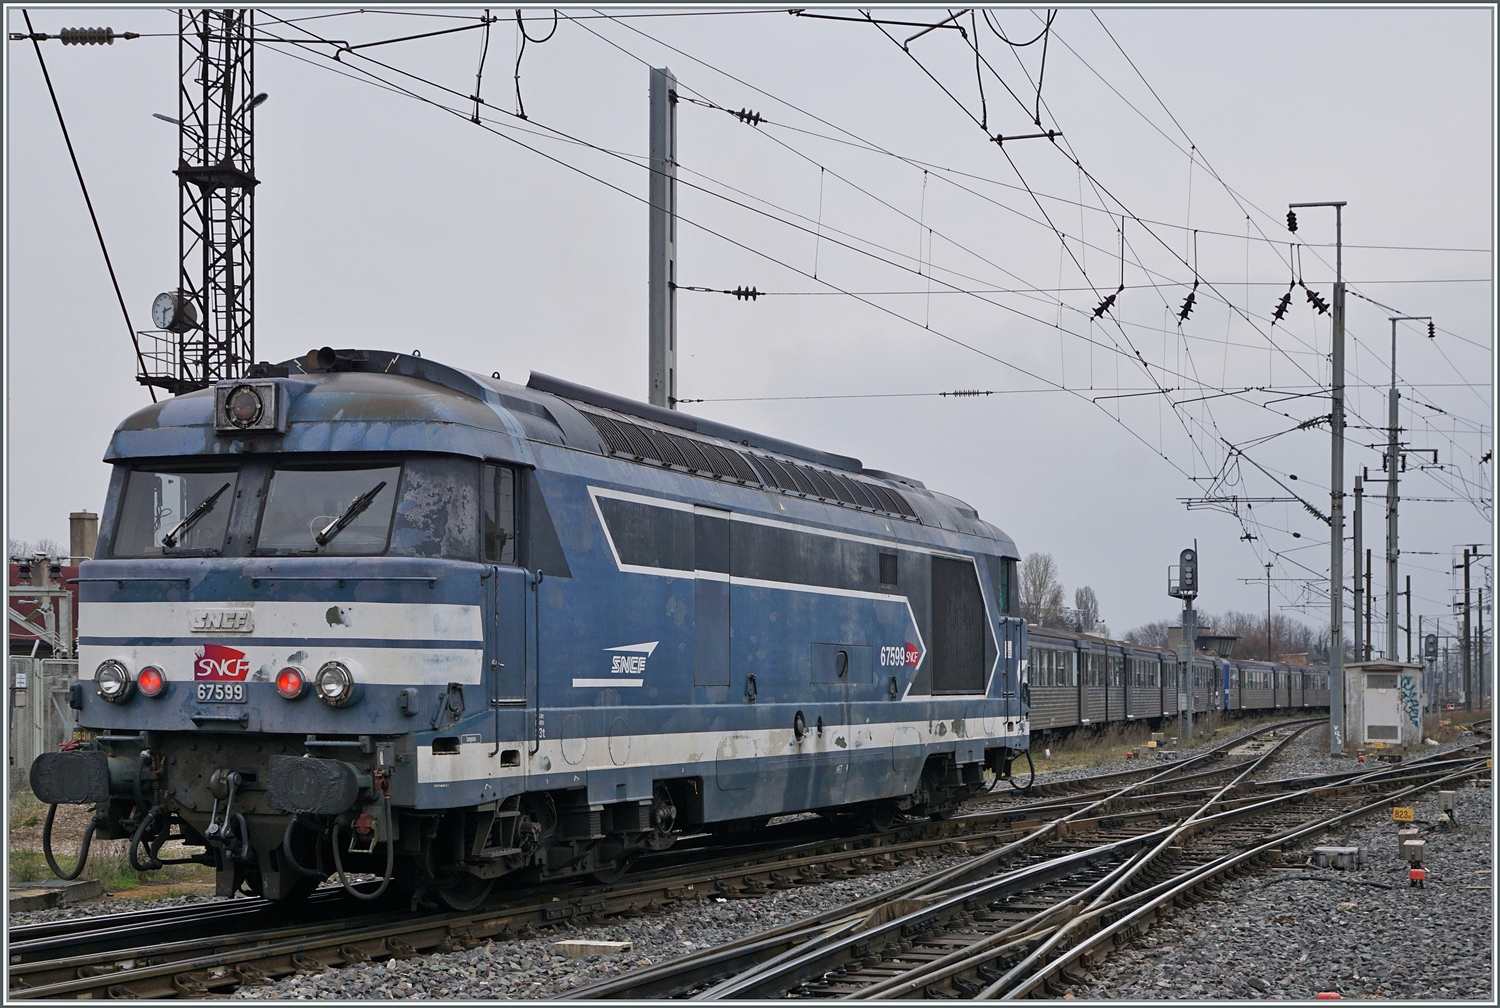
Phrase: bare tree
x=49 y=547
x=1086 y=609
x=1041 y=590
x=1288 y=636
x=17 y=548
x=1150 y=635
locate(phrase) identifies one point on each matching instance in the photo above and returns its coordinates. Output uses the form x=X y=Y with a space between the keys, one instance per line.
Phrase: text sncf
x=221 y=663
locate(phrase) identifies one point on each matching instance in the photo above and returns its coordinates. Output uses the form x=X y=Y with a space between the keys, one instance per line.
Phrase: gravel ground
x=1291 y=933
x=526 y=967
x=1350 y=936
x=101 y=907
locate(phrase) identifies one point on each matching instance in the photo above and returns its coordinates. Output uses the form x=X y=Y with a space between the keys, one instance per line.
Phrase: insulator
x=1280 y=312
x=1316 y=301
x=747 y=116
x=1187 y=306
x=745 y=293
x=87 y=36
x=1291 y=221
x=1106 y=304
x=1431 y=331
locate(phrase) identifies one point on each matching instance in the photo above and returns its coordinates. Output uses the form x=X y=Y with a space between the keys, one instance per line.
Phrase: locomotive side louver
x=717 y=461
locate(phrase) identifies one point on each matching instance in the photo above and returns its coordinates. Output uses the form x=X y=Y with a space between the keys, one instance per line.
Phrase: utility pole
x=1269 y=655
x=662 y=272
x=206 y=328
x=1430 y=692
x=1359 y=590
x=1369 y=600
x=1479 y=646
x=1408 y=619
x=1467 y=645
x=1336 y=497
x=1392 y=471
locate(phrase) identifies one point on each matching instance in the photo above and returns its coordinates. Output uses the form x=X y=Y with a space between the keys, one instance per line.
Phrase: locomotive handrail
x=122 y=580
x=340 y=578
x=240 y=719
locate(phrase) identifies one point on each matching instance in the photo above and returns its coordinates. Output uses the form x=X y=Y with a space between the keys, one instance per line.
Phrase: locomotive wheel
x=300 y=890
x=883 y=817
x=610 y=876
x=466 y=893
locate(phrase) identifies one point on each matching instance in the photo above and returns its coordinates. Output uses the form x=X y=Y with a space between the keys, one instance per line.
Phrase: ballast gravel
x=527 y=968
x=100 y=907
x=1291 y=933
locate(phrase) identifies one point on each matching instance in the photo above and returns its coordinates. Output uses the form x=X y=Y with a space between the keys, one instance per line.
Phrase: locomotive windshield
x=169 y=512
x=331 y=511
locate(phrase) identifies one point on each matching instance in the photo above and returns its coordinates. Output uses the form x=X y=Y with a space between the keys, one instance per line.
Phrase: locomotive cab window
x=169 y=512
x=344 y=512
x=501 y=513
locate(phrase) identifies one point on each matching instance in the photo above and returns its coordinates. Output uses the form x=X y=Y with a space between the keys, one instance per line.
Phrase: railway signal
x=1185 y=587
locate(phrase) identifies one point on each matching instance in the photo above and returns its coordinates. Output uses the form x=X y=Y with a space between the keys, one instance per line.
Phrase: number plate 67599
x=221 y=692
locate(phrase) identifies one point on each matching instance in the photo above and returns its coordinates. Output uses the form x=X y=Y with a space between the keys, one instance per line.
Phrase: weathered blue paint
x=542 y=632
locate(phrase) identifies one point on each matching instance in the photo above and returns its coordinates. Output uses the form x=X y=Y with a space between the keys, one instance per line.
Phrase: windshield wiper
x=170 y=539
x=353 y=511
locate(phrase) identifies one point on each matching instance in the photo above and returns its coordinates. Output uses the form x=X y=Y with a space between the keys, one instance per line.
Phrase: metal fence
x=40 y=719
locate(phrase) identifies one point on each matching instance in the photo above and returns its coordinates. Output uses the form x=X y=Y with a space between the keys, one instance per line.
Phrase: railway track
x=213 y=948
x=1019 y=932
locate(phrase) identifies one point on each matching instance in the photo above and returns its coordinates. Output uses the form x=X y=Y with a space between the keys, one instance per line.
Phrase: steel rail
x=1012 y=986
x=770 y=979
x=1040 y=924
x=41 y=972
x=160 y=959
x=657 y=980
x=976 y=955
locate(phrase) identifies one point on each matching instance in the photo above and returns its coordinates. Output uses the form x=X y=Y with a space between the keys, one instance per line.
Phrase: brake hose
x=390 y=856
x=291 y=859
x=135 y=843
x=1032 y=767
x=83 y=850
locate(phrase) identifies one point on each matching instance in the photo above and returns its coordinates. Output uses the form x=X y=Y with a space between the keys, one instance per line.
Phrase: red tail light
x=289 y=682
x=151 y=681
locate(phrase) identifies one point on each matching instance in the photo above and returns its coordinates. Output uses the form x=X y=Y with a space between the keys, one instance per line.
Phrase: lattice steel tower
x=205 y=329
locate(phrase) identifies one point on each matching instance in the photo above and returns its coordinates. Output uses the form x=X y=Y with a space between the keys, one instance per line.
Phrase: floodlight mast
x=207 y=331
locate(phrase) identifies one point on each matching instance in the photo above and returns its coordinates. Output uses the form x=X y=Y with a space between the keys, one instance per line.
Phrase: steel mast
x=206 y=327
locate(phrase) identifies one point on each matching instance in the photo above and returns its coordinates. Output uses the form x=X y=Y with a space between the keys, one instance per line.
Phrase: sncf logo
x=221 y=664
x=221 y=620
x=907 y=654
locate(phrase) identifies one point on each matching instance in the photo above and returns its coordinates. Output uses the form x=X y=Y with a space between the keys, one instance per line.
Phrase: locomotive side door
x=507 y=634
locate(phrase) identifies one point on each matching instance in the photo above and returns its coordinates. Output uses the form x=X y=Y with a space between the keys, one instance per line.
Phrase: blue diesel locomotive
x=363 y=612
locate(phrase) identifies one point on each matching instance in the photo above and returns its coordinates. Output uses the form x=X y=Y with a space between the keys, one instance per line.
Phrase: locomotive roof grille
x=716 y=461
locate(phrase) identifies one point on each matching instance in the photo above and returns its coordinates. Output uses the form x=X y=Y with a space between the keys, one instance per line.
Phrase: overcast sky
x=386 y=222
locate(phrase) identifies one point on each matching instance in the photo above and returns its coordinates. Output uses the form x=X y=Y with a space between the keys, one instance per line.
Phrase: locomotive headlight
x=112 y=681
x=290 y=683
x=151 y=681
x=244 y=407
x=335 y=684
